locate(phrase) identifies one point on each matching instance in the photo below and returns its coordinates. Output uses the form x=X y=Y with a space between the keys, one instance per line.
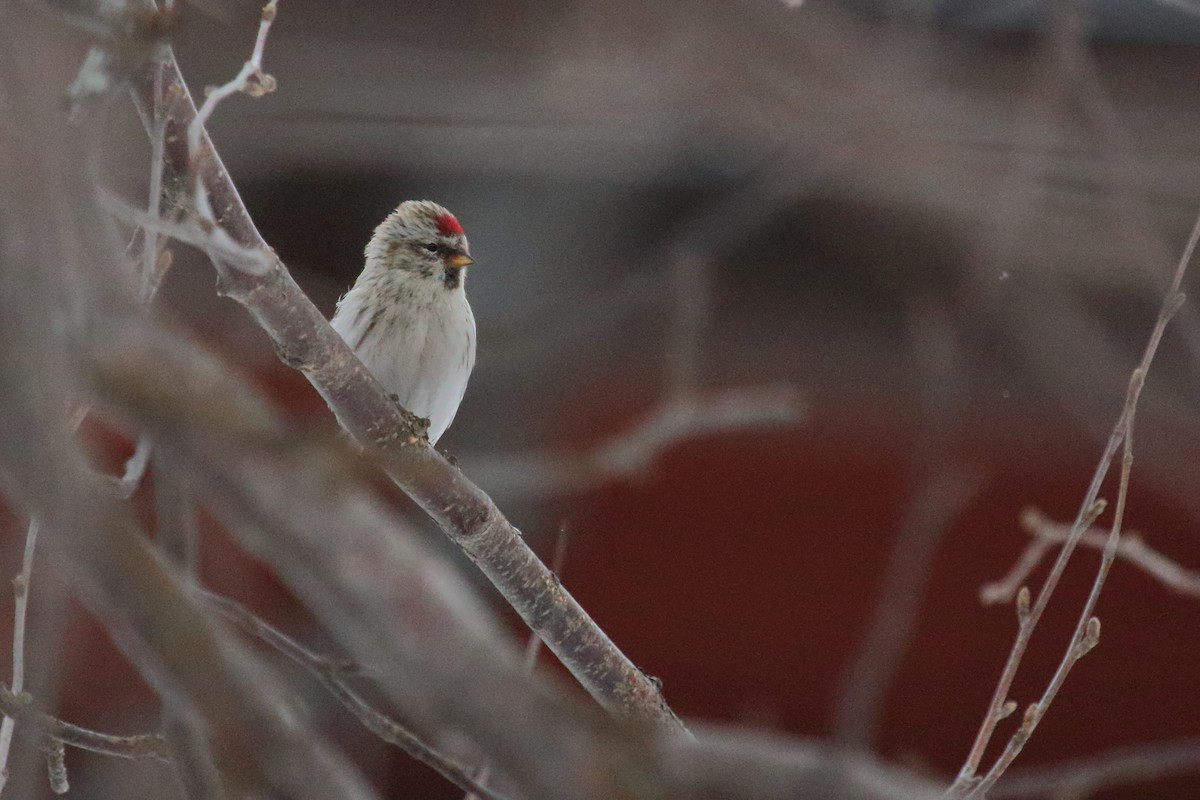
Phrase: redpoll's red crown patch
x=447 y=225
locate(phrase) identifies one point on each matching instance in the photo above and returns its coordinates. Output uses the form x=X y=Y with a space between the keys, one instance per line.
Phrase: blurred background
x=945 y=226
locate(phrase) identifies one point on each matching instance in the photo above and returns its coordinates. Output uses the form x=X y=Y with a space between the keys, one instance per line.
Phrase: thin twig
x=135 y=467
x=20 y=609
x=1047 y=533
x=150 y=277
x=250 y=79
x=42 y=727
x=690 y=276
x=330 y=673
x=631 y=452
x=212 y=240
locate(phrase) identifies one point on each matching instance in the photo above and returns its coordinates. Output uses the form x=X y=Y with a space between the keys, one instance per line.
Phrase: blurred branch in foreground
x=1086 y=776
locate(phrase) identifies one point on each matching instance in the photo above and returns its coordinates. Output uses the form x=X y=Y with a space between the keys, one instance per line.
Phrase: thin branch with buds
x=251 y=80
x=43 y=728
x=20 y=609
x=1048 y=534
x=1087 y=628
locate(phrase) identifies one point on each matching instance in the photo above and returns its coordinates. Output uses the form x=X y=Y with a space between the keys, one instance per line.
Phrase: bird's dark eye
x=433 y=248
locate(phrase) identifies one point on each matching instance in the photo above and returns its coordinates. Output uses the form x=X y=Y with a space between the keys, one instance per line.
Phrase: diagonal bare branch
x=305 y=341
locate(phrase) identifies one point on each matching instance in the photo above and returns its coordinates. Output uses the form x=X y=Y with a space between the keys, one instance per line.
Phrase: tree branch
x=304 y=340
x=40 y=727
x=330 y=674
x=1087 y=628
x=1085 y=776
x=630 y=453
x=20 y=608
x=391 y=602
x=55 y=246
x=1047 y=533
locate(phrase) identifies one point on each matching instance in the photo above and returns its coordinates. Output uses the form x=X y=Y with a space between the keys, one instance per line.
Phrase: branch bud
x=56 y=765
x=1091 y=637
x=1023 y=598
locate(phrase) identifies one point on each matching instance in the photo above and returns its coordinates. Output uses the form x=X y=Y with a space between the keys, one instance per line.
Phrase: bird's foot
x=417 y=427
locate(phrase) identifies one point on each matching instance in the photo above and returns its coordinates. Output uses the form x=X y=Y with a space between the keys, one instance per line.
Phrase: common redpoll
x=407 y=316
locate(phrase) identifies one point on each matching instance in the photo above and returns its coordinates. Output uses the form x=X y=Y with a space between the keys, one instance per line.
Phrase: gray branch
x=305 y=341
x=437 y=651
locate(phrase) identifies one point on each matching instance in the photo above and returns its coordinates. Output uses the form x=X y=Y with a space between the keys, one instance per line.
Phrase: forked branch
x=304 y=340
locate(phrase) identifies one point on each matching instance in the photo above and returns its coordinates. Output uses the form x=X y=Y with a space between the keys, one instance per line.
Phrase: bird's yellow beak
x=459 y=260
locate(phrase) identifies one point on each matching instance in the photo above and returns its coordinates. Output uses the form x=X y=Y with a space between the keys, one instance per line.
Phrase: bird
x=407 y=317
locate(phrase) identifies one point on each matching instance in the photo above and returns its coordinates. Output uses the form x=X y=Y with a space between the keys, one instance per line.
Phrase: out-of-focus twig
x=632 y=452
x=250 y=79
x=944 y=486
x=42 y=727
x=155 y=261
x=135 y=468
x=177 y=536
x=1047 y=534
x=214 y=241
x=20 y=609
x=943 y=496
x=1118 y=767
x=330 y=673
x=74 y=291
x=736 y=763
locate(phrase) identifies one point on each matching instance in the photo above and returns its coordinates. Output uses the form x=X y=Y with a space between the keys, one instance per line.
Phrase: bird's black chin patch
x=452 y=278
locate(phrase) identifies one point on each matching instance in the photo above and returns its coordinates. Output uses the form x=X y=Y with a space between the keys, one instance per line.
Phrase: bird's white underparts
x=407 y=316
